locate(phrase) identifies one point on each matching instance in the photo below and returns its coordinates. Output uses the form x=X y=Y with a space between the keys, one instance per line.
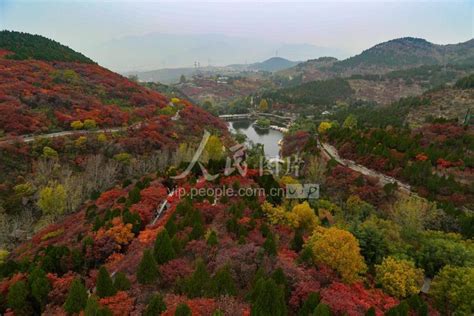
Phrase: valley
x=130 y=196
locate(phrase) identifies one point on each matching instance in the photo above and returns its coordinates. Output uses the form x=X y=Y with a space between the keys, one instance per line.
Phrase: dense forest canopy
x=29 y=46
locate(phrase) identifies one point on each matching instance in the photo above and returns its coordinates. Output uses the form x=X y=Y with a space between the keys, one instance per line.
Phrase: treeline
x=28 y=46
x=321 y=92
x=465 y=83
x=371 y=115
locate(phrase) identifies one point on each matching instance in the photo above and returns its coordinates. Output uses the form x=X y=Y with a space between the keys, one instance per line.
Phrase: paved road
x=384 y=179
x=28 y=139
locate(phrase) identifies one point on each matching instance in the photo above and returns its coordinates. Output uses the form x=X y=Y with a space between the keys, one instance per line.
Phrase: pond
x=268 y=138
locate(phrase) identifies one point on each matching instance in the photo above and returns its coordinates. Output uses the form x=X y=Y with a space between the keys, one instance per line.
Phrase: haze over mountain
x=157 y=50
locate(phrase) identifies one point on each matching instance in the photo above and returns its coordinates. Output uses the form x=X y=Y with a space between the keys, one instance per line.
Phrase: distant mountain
x=273 y=64
x=172 y=75
x=158 y=51
x=393 y=55
x=408 y=52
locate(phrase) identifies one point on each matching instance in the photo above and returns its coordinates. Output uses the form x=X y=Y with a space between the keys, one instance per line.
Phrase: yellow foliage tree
x=77 y=125
x=399 y=278
x=288 y=180
x=306 y=216
x=80 y=141
x=263 y=106
x=52 y=199
x=90 y=124
x=214 y=148
x=324 y=126
x=277 y=215
x=300 y=216
x=49 y=152
x=102 y=137
x=338 y=249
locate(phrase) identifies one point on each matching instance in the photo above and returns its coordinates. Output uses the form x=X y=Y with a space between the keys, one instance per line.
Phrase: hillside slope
x=39 y=96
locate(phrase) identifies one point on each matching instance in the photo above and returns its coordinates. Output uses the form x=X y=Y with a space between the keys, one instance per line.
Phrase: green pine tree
x=212 y=240
x=309 y=304
x=297 y=242
x=198 y=284
x=17 y=298
x=39 y=285
x=267 y=299
x=223 y=283
x=183 y=310
x=147 y=272
x=370 y=312
x=77 y=298
x=121 y=282
x=270 y=245
x=171 y=227
x=105 y=286
x=322 y=310
x=163 y=249
x=92 y=306
x=155 y=306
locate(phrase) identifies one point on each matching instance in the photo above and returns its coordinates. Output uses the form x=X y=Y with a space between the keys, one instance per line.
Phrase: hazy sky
x=348 y=25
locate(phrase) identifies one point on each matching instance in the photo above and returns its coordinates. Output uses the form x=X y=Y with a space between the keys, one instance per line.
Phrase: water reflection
x=268 y=138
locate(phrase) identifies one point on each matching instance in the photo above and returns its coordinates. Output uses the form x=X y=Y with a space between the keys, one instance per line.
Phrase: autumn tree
x=338 y=249
x=324 y=127
x=52 y=199
x=399 y=277
x=214 y=148
x=49 y=152
x=77 y=125
x=105 y=286
x=163 y=249
x=267 y=298
x=90 y=124
x=453 y=290
x=350 y=122
x=155 y=306
x=77 y=298
x=147 y=272
x=263 y=105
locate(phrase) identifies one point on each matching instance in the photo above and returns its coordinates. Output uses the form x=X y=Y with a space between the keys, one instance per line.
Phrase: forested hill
x=409 y=51
x=29 y=46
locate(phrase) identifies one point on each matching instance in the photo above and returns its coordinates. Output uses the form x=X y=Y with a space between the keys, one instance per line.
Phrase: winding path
x=332 y=152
